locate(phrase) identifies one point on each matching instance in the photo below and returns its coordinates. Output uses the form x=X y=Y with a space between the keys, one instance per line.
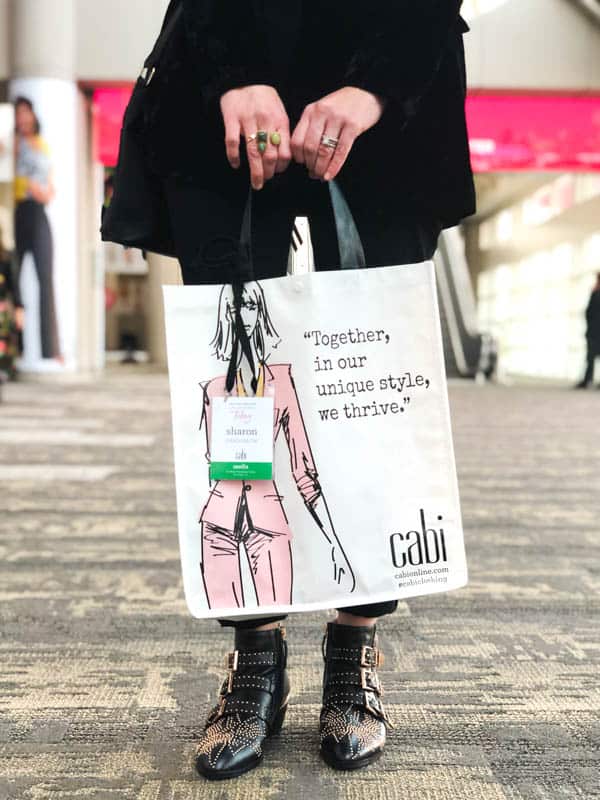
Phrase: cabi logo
x=427 y=546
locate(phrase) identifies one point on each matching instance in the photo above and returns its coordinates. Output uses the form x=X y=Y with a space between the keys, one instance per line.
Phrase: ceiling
x=589 y=6
x=474 y=8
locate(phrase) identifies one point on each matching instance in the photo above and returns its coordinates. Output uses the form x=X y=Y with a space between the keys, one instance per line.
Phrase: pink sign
x=507 y=132
x=109 y=108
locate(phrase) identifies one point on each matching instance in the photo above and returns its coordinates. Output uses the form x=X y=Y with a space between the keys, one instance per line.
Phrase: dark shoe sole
x=221 y=774
x=348 y=765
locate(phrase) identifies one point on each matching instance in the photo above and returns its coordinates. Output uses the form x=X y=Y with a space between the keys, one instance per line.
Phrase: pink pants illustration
x=269 y=554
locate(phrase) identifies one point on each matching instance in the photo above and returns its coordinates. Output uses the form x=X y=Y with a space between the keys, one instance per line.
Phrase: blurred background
x=514 y=280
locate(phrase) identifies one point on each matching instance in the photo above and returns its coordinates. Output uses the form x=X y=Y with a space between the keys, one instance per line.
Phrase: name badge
x=241 y=442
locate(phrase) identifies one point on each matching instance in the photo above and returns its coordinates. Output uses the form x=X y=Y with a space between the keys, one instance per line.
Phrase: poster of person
x=361 y=502
x=34 y=189
x=45 y=219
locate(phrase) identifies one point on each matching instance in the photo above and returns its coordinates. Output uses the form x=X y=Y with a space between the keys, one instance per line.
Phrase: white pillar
x=161 y=271
x=43 y=59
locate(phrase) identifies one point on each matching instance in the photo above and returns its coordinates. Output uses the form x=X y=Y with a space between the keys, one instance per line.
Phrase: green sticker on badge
x=235 y=470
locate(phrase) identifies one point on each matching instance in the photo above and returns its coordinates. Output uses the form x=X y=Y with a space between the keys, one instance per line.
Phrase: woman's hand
x=246 y=111
x=343 y=574
x=342 y=571
x=342 y=115
x=39 y=192
x=36 y=190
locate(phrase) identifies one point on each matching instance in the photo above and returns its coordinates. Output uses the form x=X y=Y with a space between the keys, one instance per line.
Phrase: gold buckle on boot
x=231 y=662
x=370 y=656
x=378 y=712
x=374 y=685
x=217 y=710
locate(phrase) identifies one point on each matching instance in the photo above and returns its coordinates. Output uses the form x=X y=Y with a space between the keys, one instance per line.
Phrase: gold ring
x=262 y=138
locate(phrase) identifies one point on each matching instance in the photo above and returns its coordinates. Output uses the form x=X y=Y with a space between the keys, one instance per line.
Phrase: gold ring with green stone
x=262 y=138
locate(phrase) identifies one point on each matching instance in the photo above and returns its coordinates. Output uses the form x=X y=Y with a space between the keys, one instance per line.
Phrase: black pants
x=201 y=217
x=33 y=235
x=593 y=352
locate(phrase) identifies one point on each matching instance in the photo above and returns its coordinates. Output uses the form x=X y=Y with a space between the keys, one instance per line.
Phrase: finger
x=347 y=138
x=284 y=151
x=232 y=140
x=325 y=153
x=297 y=140
x=269 y=157
x=250 y=126
x=312 y=140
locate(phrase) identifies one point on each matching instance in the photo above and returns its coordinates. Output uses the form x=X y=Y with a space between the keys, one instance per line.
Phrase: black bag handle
x=352 y=256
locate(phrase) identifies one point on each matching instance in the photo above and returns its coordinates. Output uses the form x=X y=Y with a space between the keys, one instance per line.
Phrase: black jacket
x=592 y=316
x=415 y=159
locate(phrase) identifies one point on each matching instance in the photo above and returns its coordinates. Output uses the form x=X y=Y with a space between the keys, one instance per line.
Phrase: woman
x=288 y=96
x=34 y=188
x=236 y=515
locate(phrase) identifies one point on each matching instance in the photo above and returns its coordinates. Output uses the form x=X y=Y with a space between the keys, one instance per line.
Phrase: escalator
x=591 y=7
x=463 y=343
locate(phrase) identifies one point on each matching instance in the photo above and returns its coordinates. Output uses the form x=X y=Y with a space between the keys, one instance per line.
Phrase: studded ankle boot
x=352 y=722
x=251 y=705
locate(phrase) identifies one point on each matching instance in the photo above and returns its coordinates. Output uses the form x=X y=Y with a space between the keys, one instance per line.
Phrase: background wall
x=115 y=36
x=540 y=44
x=538 y=260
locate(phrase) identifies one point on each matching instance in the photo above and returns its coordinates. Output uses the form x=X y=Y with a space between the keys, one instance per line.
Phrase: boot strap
x=367 y=679
x=244 y=680
x=242 y=658
x=366 y=655
x=366 y=698
x=247 y=706
x=227 y=702
x=250 y=658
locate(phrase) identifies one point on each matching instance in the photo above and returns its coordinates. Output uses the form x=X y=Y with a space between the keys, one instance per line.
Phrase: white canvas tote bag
x=363 y=503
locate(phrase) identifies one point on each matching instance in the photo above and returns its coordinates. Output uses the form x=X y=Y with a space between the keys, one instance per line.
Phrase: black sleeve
x=226 y=46
x=403 y=48
x=592 y=311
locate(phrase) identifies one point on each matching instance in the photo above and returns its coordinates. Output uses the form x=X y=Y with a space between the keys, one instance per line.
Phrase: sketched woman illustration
x=250 y=514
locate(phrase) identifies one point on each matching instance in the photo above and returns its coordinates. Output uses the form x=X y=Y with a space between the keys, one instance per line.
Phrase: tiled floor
x=105 y=679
